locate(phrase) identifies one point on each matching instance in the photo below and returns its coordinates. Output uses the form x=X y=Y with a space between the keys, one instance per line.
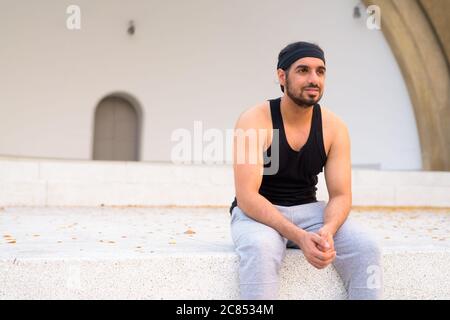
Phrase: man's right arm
x=248 y=171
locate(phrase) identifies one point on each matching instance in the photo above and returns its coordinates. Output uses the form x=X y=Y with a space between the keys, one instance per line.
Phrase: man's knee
x=368 y=246
x=354 y=237
x=262 y=247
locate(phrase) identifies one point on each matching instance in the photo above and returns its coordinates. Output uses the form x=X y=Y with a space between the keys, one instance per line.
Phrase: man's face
x=304 y=81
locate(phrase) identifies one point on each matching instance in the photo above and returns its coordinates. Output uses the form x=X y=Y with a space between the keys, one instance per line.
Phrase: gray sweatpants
x=261 y=250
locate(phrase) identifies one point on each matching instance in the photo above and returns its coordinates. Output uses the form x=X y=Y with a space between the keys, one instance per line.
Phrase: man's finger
x=324 y=249
x=315 y=251
x=322 y=263
x=324 y=256
x=315 y=263
x=320 y=241
x=318 y=263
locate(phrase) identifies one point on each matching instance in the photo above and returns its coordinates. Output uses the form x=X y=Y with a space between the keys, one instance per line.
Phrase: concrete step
x=187 y=253
x=93 y=183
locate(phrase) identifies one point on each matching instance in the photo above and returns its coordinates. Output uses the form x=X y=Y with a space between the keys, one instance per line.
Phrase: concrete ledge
x=185 y=253
x=209 y=276
x=87 y=183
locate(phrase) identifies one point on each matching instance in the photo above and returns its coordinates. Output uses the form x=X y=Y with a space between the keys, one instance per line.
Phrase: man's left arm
x=338 y=180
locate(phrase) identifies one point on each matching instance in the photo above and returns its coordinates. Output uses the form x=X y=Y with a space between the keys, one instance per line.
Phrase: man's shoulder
x=331 y=121
x=257 y=116
x=334 y=129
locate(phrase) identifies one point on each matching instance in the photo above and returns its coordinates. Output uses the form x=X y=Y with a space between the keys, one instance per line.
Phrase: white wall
x=190 y=60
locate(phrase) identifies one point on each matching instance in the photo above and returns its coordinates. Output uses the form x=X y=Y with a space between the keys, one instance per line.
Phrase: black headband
x=297 y=51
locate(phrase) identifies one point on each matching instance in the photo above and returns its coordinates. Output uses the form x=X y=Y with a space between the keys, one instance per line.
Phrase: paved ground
x=93 y=233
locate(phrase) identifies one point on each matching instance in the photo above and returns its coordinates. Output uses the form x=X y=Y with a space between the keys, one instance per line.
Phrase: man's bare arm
x=248 y=176
x=338 y=180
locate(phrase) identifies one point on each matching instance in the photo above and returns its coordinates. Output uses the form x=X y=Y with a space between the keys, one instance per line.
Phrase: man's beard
x=299 y=99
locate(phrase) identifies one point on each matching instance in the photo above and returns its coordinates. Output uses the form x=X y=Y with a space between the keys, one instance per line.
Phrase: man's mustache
x=312 y=86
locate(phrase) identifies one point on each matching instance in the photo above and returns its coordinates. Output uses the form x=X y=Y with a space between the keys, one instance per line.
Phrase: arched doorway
x=116 y=130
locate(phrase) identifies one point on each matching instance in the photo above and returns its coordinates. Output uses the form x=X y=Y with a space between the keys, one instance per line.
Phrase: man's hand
x=327 y=234
x=310 y=243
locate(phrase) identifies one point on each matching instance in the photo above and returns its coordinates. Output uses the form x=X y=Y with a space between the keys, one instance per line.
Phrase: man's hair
x=297 y=50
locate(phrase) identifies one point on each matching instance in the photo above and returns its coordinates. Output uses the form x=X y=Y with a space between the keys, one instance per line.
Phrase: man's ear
x=281 y=77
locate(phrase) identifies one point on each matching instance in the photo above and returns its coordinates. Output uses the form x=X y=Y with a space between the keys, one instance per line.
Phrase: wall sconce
x=131 y=28
x=356 y=12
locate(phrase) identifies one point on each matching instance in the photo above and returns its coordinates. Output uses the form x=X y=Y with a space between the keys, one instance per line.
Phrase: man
x=275 y=210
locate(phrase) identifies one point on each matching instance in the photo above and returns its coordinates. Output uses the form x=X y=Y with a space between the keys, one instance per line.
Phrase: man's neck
x=293 y=113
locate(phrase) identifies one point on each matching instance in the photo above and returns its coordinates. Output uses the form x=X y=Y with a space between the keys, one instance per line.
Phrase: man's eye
x=303 y=70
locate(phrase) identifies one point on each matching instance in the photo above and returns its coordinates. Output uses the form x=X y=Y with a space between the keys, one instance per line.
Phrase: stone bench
x=187 y=253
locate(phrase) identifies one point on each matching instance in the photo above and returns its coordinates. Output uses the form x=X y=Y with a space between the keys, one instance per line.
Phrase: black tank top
x=296 y=179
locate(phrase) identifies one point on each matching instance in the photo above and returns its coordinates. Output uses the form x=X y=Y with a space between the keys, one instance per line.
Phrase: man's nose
x=313 y=79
